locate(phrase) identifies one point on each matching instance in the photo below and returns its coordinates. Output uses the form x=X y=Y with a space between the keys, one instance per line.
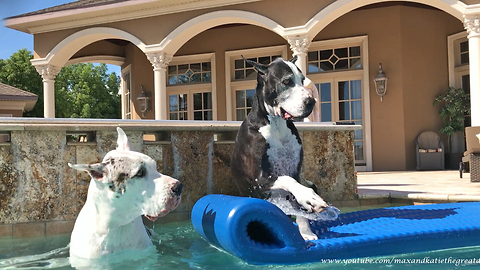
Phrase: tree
x=17 y=71
x=87 y=91
x=81 y=90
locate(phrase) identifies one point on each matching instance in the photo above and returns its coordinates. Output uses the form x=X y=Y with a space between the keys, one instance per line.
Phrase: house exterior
x=14 y=101
x=185 y=57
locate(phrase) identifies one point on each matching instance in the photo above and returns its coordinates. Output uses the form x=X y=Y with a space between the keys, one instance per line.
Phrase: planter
x=452 y=160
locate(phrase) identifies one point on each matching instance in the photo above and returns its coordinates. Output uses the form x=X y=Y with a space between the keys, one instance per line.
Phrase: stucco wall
x=141 y=74
x=411 y=43
x=14 y=113
x=425 y=73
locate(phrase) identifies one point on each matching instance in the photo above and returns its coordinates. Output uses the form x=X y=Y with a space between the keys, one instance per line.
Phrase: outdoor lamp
x=144 y=101
x=381 y=82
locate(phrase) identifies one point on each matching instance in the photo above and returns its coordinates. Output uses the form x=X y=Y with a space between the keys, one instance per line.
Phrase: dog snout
x=309 y=103
x=177 y=188
x=307 y=92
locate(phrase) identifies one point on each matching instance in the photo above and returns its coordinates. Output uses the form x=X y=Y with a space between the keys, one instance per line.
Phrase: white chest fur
x=284 y=149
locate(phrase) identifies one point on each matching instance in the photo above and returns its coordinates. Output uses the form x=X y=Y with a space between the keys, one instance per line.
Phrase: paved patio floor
x=418 y=185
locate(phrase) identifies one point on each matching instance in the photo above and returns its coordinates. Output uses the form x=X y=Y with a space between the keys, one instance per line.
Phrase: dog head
x=129 y=184
x=281 y=83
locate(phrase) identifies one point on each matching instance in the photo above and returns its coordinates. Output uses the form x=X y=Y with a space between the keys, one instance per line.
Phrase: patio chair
x=471 y=157
x=430 y=151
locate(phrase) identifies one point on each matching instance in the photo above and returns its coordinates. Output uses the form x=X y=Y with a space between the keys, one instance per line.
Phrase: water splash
x=289 y=205
x=52 y=259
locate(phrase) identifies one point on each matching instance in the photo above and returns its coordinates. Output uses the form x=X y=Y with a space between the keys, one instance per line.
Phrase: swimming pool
x=178 y=246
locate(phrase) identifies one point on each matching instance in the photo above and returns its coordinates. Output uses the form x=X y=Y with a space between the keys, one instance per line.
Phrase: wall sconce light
x=144 y=100
x=381 y=82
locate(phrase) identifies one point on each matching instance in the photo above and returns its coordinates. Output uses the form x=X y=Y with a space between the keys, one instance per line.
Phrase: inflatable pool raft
x=258 y=232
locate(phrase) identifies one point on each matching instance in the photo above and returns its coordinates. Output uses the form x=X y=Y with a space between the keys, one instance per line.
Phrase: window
x=336 y=68
x=178 y=107
x=458 y=65
x=202 y=106
x=190 y=73
x=464 y=52
x=242 y=78
x=334 y=59
x=243 y=102
x=191 y=87
x=245 y=71
x=126 y=93
x=325 y=95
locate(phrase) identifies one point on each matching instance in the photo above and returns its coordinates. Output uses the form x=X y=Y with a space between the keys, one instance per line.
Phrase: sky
x=12 y=40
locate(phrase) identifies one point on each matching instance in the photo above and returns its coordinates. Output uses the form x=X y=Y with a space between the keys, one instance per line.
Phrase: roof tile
x=69 y=6
x=8 y=92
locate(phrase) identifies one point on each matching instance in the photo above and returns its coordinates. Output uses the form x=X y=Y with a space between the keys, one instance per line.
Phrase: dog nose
x=177 y=188
x=310 y=102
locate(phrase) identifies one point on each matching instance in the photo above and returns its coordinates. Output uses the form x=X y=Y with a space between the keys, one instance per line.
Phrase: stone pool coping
x=15 y=124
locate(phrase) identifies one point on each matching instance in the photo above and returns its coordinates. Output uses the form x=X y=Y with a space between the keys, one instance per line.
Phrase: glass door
x=341 y=101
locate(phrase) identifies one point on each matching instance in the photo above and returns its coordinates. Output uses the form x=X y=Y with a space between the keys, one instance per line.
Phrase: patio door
x=190 y=104
x=341 y=100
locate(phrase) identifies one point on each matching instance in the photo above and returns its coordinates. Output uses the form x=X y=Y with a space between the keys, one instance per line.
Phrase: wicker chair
x=430 y=151
x=471 y=157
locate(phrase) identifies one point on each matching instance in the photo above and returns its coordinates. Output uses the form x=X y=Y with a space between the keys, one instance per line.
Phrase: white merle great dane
x=268 y=153
x=124 y=186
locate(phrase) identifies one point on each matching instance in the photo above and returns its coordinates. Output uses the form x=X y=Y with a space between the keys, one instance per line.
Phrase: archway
x=172 y=42
x=341 y=7
x=64 y=50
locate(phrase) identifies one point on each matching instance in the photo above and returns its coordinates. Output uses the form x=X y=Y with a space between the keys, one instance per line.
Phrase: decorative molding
x=48 y=72
x=472 y=24
x=159 y=60
x=109 y=13
x=299 y=44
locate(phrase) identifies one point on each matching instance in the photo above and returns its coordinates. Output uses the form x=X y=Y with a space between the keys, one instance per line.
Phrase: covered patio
x=182 y=60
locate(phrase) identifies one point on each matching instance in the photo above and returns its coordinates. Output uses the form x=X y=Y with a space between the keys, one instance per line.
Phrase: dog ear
x=96 y=171
x=262 y=69
x=122 y=141
x=294 y=59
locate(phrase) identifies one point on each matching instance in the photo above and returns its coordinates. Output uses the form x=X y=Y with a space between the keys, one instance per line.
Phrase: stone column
x=299 y=46
x=472 y=24
x=48 y=73
x=160 y=62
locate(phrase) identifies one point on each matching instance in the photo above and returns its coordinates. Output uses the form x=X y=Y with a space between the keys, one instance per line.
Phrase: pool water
x=178 y=246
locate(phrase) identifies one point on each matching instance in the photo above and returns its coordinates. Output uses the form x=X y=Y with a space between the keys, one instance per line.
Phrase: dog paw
x=309 y=236
x=311 y=201
x=304 y=228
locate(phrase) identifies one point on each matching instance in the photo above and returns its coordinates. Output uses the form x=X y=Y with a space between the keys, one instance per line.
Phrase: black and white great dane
x=268 y=153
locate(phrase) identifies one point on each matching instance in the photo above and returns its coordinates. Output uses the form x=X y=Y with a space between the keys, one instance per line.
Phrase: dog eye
x=141 y=172
x=287 y=81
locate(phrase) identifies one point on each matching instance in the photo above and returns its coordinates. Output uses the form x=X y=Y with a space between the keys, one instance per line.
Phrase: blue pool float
x=258 y=232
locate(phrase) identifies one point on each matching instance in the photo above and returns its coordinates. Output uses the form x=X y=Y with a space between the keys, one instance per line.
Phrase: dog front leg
x=305 y=196
x=304 y=228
